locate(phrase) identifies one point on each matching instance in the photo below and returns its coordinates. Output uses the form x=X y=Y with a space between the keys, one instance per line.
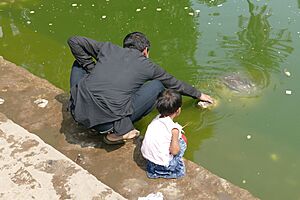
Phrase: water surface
x=251 y=140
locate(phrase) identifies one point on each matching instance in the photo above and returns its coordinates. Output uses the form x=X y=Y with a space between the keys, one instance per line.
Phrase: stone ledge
x=31 y=169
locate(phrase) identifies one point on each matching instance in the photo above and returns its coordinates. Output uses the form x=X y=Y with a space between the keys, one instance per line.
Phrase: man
x=113 y=87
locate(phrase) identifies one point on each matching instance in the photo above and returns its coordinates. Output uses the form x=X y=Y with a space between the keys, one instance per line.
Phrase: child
x=163 y=145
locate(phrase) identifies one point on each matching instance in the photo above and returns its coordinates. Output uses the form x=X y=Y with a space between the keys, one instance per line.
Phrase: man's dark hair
x=168 y=102
x=136 y=40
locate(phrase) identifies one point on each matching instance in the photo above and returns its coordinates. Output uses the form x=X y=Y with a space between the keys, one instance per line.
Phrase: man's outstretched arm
x=84 y=50
x=170 y=81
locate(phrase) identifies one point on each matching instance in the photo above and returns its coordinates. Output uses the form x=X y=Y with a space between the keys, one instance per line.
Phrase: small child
x=163 y=145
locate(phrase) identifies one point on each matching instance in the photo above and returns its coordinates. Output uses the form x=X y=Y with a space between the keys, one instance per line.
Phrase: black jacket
x=115 y=74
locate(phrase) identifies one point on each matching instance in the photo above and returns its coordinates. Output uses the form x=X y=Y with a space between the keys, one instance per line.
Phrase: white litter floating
x=103 y=17
x=1 y=101
x=32 y=12
x=249 y=137
x=138 y=10
x=192 y=14
x=158 y=9
x=74 y=4
x=42 y=103
x=286 y=72
x=288 y=92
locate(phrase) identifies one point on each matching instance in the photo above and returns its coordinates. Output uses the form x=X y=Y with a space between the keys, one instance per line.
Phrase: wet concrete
x=120 y=167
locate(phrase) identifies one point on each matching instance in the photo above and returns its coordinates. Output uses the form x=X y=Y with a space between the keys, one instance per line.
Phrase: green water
x=258 y=39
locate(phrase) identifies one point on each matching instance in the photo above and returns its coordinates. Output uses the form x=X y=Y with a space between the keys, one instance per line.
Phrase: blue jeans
x=143 y=100
x=175 y=169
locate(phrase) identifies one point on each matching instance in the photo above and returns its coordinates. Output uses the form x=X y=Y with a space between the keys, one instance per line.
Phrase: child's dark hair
x=168 y=102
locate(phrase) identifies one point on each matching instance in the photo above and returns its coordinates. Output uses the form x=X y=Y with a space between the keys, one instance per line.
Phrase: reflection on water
x=258 y=47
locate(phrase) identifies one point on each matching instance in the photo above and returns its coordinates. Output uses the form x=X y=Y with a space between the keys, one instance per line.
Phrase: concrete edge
x=30 y=168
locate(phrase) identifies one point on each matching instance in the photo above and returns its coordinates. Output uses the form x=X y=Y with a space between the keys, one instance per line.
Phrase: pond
x=251 y=139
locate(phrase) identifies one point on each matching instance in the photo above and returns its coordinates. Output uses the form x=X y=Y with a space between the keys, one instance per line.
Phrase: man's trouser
x=143 y=99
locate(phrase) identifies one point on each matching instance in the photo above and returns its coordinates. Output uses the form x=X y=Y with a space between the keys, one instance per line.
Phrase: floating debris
x=32 y=12
x=249 y=137
x=74 y=4
x=93 y=5
x=274 y=157
x=288 y=92
x=103 y=17
x=190 y=13
x=286 y=72
x=50 y=24
x=197 y=11
x=186 y=8
x=1 y=101
x=220 y=5
x=158 y=9
x=28 y=22
x=244 y=181
x=42 y=103
x=138 y=10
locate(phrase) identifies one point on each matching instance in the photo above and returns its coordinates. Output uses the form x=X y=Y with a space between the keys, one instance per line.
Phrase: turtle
x=239 y=84
x=233 y=85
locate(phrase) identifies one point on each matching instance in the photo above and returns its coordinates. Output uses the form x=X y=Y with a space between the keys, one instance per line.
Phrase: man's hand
x=205 y=97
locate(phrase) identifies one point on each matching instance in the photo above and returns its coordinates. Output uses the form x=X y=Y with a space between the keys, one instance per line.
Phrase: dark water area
x=251 y=139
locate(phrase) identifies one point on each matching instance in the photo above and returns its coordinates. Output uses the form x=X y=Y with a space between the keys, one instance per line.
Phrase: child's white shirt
x=157 y=140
